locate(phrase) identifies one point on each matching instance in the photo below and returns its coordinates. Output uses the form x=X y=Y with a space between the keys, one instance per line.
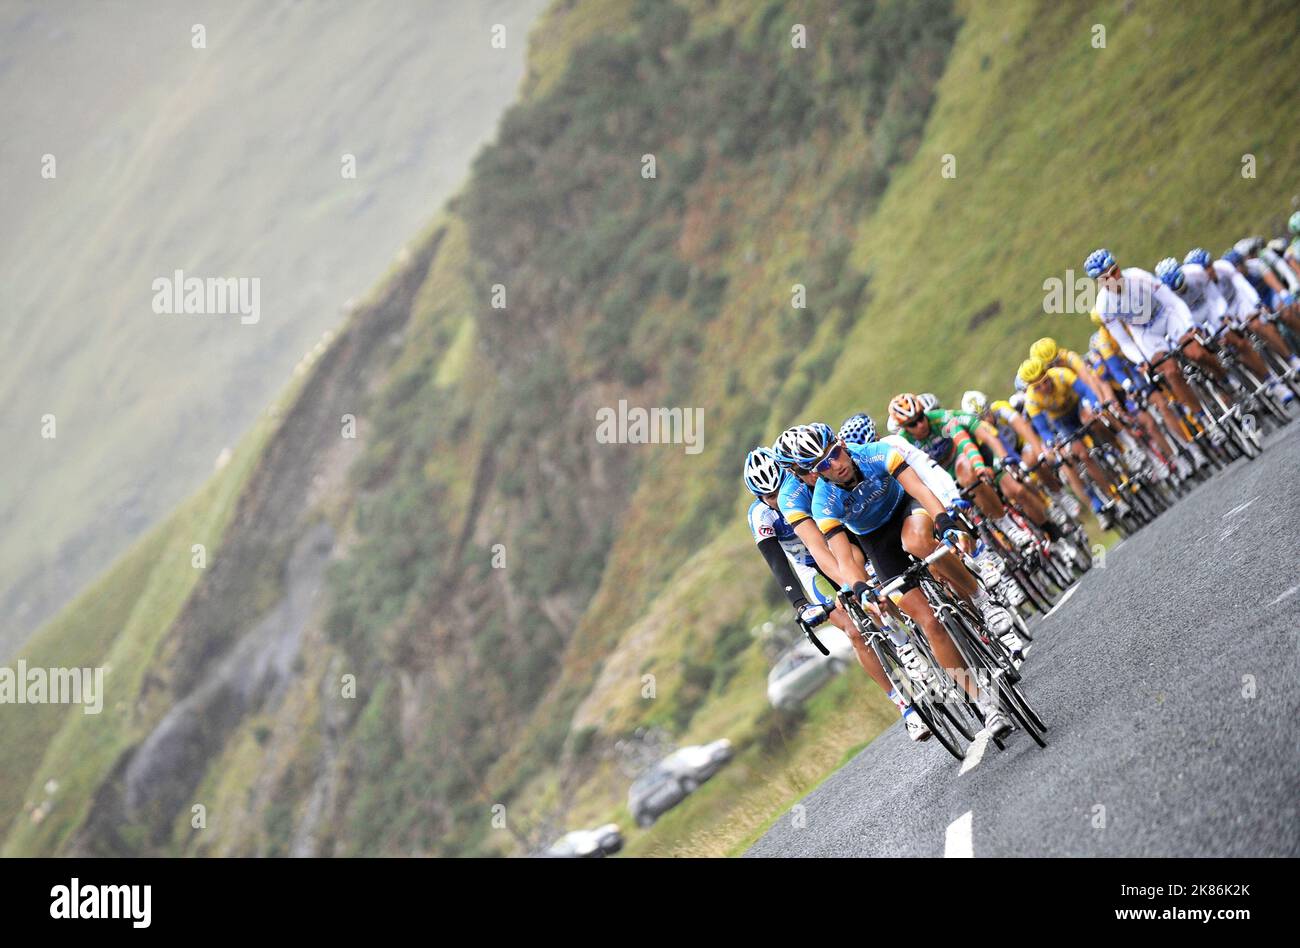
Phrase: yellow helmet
x=1031 y=370
x=1044 y=350
x=1095 y=317
x=1001 y=405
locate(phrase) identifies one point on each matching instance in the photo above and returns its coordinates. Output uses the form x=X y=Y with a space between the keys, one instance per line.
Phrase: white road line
x=1240 y=508
x=974 y=753
x=1068 y=593
x=1286 y=595
x=957 y=842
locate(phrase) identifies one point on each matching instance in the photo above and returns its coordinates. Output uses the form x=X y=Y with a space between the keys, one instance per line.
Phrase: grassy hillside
x=502 y=583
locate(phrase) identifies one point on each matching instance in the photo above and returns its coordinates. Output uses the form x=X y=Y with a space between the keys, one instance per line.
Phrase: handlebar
x=812 y=637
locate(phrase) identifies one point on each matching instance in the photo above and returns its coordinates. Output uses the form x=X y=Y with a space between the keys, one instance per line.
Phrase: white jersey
x=1204 y=301
x=1236 y=290
x=931 y=474
x=1281 y=269
x=1142 y=314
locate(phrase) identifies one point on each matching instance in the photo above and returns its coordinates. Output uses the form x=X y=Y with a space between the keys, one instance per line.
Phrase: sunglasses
x=915 y=422
x=825 y=462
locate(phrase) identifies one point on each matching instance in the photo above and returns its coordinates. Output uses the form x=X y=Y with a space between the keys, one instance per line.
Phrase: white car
x=802 y=669
x=588 y=844
x=674 y=778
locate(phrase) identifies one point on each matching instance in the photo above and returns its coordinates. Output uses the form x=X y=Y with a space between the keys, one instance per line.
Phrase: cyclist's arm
x=1085 y=394
x=842 y=547
x=826 y=559
x=784 y=573
x=964 y=446
x=1028 y=435
x=987 y=435
x=1099 y=387
x=1043 y=426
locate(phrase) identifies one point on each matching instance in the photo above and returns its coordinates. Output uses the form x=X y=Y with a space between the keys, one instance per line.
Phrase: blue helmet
x=859 y=429
x=1199 y=256
x=763 y=475
x=1233 y=257
x=803 y=445
x=1098 y=262
x=1170 y=272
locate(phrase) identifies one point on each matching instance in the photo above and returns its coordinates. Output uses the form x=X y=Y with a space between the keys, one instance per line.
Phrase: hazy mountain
x=219 y=161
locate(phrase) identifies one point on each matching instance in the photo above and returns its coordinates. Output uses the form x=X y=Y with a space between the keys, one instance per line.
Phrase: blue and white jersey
x=766 y=523
x=872 y=501
x=1241 y=297
x=795 y=500
x=1203 y=299
x=1142 y=315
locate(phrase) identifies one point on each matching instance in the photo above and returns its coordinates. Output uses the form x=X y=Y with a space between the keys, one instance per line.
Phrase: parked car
x=674 y=778
x=802 y=669
x=588 y=844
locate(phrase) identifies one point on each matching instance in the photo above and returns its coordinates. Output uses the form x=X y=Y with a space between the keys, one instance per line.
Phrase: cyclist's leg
x=1272 y=338
x=1028 y=501
x=884 y=548
x=1246 y=352
x=1098 y=475
x=986 y=498
x=818 y=588
x=1178 y=387
x=917 y=537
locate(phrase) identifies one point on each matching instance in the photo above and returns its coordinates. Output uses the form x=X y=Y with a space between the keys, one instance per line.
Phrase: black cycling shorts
x=883 y=546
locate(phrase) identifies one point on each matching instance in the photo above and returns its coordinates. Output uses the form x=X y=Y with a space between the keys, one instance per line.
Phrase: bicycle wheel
x=993 y=678
x=953 y=703
x=918 y=697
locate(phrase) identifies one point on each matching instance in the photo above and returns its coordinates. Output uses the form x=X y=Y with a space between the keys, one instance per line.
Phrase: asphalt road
x=1170 y=683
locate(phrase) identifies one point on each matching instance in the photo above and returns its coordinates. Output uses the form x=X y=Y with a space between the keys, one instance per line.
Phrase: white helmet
x=803 y=444
x=762 y=474
x=929 y=401
x=975 y=402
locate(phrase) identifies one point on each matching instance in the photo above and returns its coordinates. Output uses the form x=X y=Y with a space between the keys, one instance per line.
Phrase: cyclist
x=1209 y=311
x=1051 y=355
x=860 y=429
x=953 y=440
x=1053 y=403
x=796 y=572
x=868 y=492
x=1273 y=288
x=1018 y=435
x=1292 y=251
x=1141 y=314
x=1109 y=363
x=1244 y=304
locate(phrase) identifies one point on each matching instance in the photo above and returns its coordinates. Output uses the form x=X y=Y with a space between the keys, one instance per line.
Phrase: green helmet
x=1294 y=223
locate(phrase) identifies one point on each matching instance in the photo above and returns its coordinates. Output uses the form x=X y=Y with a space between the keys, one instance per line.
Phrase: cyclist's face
x=770 y=499
x=918 y=427
x=1111 y=279
x=836 y=465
